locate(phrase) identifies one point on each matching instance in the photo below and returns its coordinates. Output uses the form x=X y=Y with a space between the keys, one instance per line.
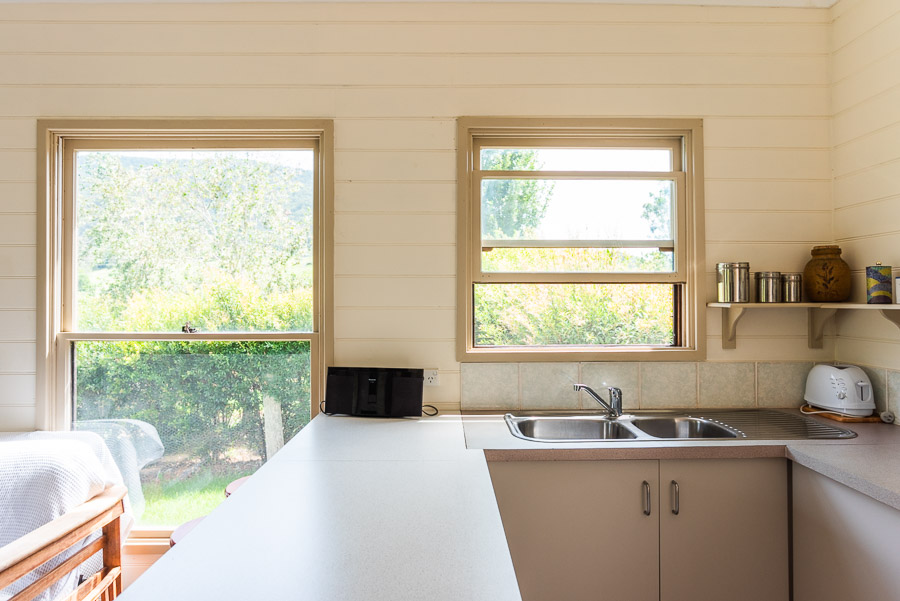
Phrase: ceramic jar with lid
x=826 y=278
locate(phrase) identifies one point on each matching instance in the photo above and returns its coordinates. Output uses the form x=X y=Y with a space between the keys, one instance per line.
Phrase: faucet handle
x=615 y=398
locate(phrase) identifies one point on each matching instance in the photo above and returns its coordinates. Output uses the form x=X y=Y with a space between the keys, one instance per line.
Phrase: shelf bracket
x=730 y=317
x=817 y=318
x=892 y=316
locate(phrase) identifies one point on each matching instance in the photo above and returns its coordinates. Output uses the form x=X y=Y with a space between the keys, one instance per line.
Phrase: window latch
x=187 y=329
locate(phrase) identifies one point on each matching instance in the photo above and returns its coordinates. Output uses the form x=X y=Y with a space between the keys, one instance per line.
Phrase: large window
x=579 y=240
x=185 y=303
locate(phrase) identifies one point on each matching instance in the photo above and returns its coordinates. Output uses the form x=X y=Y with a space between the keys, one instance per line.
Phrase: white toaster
x=843 y=389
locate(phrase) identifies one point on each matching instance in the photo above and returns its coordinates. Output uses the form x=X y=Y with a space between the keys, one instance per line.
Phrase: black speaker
x=374 y=391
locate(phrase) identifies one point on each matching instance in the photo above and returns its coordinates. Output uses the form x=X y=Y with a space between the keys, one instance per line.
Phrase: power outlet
x=431 y=377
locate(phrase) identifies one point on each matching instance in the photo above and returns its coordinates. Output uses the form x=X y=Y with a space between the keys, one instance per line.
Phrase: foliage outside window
x=579 y=239
x=188 y=300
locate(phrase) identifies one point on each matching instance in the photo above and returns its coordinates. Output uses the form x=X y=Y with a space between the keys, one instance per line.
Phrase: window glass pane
x=543 y=209
x=576 y=159
x=574 y=314
x=577 y=260
x=184 y=419
x=221 y=239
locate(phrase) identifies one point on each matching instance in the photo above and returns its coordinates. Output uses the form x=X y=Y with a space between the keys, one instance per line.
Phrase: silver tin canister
x=768 y=286
x=791 y=287
x=733 y=282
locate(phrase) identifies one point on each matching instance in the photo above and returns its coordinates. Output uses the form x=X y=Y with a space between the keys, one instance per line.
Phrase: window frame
x=683 y=136
x=57 y=142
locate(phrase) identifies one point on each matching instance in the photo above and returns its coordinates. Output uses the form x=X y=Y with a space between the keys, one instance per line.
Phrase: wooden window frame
x=683 y=136
x=57 y=142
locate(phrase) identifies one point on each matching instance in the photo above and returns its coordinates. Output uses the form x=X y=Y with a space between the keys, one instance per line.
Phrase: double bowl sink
x=756 y=424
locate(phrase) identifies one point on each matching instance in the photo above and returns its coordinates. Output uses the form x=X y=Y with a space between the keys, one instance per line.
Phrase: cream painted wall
x=866 y=163
x=394 y=77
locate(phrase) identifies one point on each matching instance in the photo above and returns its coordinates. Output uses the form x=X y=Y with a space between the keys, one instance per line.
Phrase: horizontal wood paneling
x=17 y=197
x=742 y=226
x=17 y=293
x=411 y=70
x=414 y=197
x=873 y=218
x=16 y=389
x=381 y=228
x=395 y=323
x=380 y=353
x=866 y=162
x=794 y=164
x=394 y=77
x=394 y=166
x=781 y=256
x=18 y=228
x=17 y=357
x=20 y=418
x=439 y=101
x=17 y=326
x=498 y=14
x=767 y=133
x=395 y=134
x=354 y=259
x=395 y=292
x=17 y=165
x=17 y=260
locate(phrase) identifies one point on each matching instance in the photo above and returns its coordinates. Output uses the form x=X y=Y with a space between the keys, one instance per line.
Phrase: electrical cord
x=804 y=410
x=434 y=410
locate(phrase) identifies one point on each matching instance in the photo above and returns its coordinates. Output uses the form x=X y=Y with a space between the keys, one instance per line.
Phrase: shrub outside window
x=580 y=240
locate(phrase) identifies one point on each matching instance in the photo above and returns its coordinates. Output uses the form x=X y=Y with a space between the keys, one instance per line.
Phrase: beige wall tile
x=668 y=385
x=622 y=375
x=781 y=384
x=893 y=394
x=489 y=386
x=730 y=385
x=548 y=386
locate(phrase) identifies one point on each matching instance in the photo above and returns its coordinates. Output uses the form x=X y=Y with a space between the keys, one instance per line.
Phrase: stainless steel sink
x=756 y=424
x=683 y=427
x=574 y=428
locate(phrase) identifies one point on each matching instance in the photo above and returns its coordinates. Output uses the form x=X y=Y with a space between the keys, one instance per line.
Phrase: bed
x=62 y=546
x=63 y=515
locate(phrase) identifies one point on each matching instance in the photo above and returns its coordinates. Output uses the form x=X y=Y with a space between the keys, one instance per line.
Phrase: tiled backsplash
x=664 y=385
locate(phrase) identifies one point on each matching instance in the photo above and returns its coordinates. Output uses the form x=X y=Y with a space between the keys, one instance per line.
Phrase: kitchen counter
x=350 y=509
x=373 y=509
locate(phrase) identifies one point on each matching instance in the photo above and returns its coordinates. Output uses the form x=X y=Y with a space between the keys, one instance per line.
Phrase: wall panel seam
x=862 y=170
x=862 y=34
x=866 y=100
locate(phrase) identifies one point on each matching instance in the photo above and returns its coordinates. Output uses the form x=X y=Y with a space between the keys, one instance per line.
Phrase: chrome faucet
x=614 y=407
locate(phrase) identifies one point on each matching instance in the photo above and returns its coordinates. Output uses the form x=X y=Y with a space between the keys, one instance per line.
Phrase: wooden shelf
x=818 y=315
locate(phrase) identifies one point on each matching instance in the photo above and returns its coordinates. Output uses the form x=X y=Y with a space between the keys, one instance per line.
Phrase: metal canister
x=791 y=287
x=878 y=284
x=733 y=282
x=768 y=286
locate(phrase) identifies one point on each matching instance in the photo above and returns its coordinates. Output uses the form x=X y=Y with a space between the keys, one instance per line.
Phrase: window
x=580 y=240
x=184 y=315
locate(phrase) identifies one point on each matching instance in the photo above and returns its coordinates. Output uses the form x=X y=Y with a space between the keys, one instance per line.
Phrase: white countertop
x=350 y=509
x=394 y=509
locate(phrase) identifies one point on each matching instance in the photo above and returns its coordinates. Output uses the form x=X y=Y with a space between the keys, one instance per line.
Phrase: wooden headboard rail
x=24 y=554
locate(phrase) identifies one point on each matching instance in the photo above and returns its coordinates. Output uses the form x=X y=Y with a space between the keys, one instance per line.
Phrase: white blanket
x=42 y=476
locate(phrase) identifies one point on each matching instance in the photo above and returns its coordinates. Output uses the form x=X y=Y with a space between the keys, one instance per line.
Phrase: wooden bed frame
x=24 y=554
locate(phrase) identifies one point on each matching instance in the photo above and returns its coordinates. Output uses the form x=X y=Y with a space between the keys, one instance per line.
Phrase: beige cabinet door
x=845 y=543
x=581 y=530
x=724 y=530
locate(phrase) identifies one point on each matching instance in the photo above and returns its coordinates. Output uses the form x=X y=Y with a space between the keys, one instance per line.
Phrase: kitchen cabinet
x=595 y=530
x=845 y=542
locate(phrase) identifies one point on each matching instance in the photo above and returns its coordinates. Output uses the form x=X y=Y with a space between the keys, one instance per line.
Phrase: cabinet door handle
x=647 y=506
x=676 y=498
